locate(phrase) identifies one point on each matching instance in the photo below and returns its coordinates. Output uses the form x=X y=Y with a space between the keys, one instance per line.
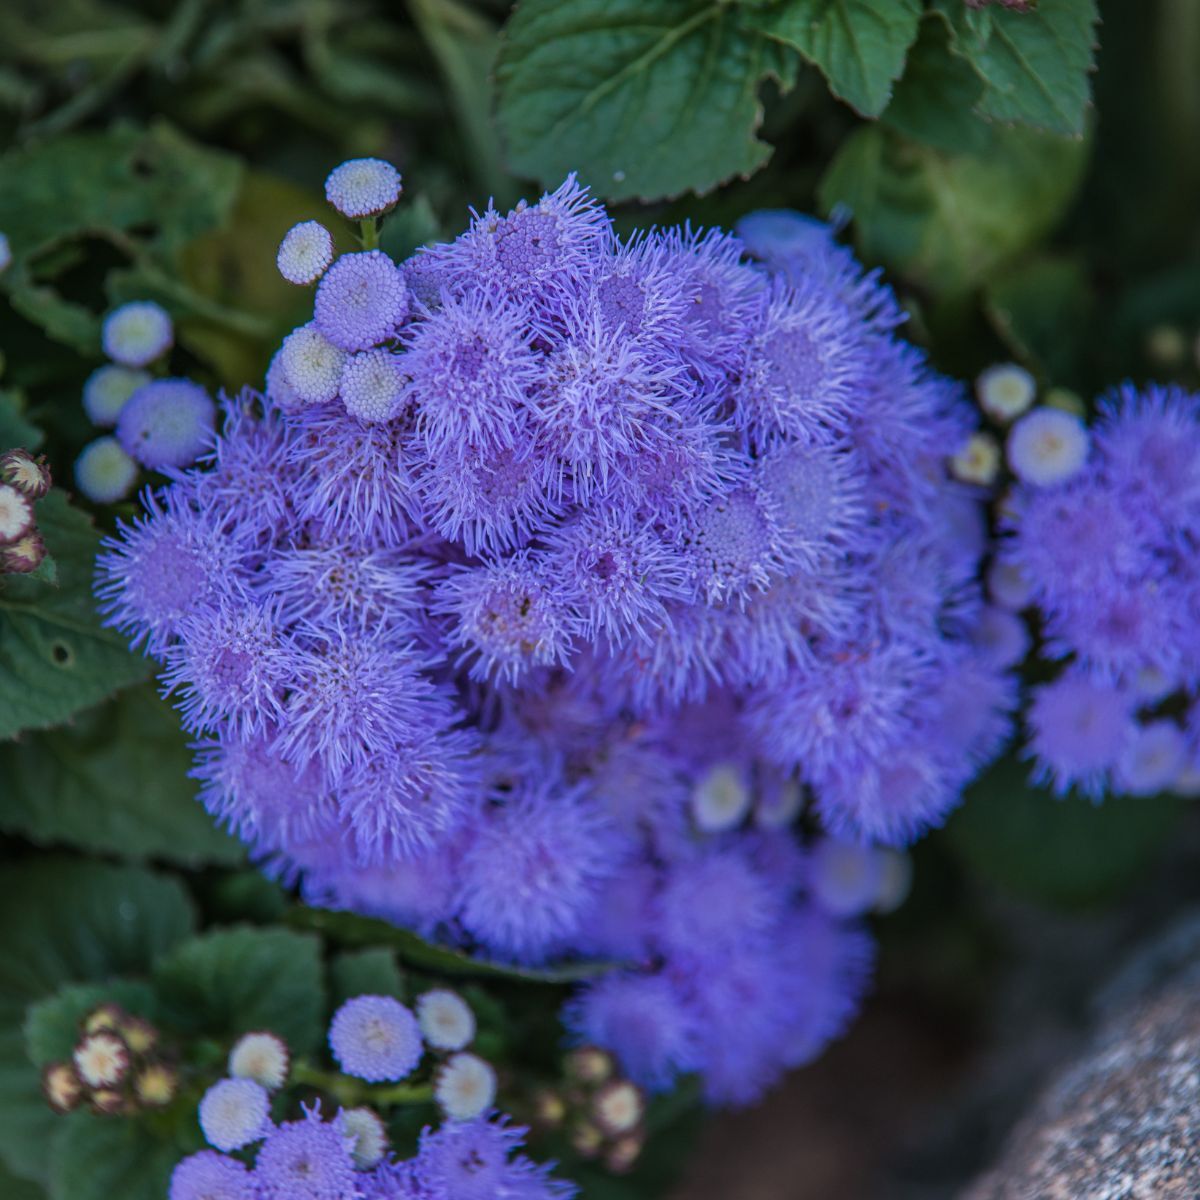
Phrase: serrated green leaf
x=1034 y=64
x=949 y=221
x=62 y=920
x=230 y=981
x=146 y=192
x=372 y=971
x=1066 y=851
x=935 y=100
x=644 y=98
x=858 y=45
x=93 y=1158
x=52 y=1026
x=349 y=929
x=55 y=657
x=115 y=781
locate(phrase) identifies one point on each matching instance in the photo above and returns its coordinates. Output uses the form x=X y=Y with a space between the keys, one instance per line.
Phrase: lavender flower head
x=547 y=560
x=1102 y=536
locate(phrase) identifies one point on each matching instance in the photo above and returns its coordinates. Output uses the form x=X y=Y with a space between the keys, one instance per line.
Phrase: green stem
x=370 y=233
x=350 y=1093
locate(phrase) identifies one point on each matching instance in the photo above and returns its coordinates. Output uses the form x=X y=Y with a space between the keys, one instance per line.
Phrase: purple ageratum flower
x=169 y=564
x=305 y=252
x=533 y=869
x=478 y=1160
x=167 y=423
x=363 y=187
x=104 y=473
x=1047 y=447
x=137 y=333
x=817 y=492
x=357 y=695
x=308 y=1159
x=362 y=300
x=472 y=367
x=711 y=902
x=375 y=1038
x=401 y=804
x=234 y=1113
x=1079 y=728
x=208 y=1175
x=1148 y=445
x=618 y=572
x=230 y=667
x=803 y=364
x=491 y=498
x=268 y=802
x=636 y=291
x=356 y=485
x=1152 y=758
x=602 y=401
x=374 y=385
x=107 y=389
x=311 y=365
x=643 y=1019
x=508 y=618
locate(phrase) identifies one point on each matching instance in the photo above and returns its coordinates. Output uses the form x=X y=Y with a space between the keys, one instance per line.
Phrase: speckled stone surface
x=1123 y=1122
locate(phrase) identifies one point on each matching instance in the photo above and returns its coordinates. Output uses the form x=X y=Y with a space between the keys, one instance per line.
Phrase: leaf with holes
x=858 y=45
x=55 y=656
x=1034 y=64
x=644 y=98
x=114 y=781
x=64 y=921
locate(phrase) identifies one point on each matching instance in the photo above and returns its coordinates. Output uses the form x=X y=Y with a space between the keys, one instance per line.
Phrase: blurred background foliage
x=158 y=149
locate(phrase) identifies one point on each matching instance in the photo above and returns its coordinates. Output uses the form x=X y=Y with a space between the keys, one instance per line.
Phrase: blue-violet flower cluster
x=549 y=573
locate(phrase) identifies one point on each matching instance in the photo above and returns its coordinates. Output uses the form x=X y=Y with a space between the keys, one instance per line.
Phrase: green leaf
x=63 y=920
x=12 y=1187
x=146 y=192
x=1043 y=310
x=372 y=971
x=950 y=221
x=859 y=45
x=1034 y=64
x=644 y=98
x=349 y=929
x=230 y=981
x=15 y=429
x=115 y=781
x=97 y=1158
x=52 y=1026
x=55 y=657
x=935 y=101
x=1065 y=851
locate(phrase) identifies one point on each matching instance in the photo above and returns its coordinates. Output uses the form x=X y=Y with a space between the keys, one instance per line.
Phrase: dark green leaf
x=349 y=929
x=935 y=101
x=147 y=193
x=15 y=429
x=55 y=657
x=52 y=1026
x=859 y=45
x=116 y=780
x=1067 y=851
x=365 y=972
x=949 y=221
x=643 y=98
x=1042 y=309
x=231 y=981
x=64 y=921
x=97 y=1158
x=1034 y=64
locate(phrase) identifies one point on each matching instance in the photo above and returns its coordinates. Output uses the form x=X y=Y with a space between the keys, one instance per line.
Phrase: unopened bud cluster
x=119 y=1066
x=24 y=480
